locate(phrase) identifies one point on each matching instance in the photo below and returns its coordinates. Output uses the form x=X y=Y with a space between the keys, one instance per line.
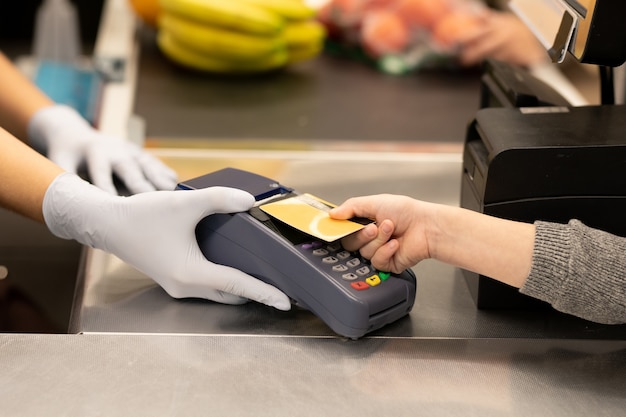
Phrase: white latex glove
x=68 y=140
x=155 y=233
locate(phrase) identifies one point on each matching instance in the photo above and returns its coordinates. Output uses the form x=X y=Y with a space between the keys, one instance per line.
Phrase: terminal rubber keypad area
x=348 y=267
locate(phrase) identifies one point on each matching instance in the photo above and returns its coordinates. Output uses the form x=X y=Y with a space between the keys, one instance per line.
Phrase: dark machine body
x=544 y=163
x=321 y=277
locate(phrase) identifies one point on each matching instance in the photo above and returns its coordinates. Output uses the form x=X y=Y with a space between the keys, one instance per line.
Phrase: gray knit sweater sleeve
x=579 y=271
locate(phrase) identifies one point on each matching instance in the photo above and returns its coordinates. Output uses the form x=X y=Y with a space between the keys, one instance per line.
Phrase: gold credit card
x=309 y=214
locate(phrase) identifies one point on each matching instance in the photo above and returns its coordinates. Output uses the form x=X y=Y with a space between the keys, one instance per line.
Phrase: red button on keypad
x=359 y=285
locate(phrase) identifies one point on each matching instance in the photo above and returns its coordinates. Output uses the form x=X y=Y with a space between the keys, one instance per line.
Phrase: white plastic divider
x=116 y=54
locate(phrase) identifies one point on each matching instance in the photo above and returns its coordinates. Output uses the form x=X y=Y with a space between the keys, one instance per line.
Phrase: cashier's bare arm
x=580 y=271
x=25 y=175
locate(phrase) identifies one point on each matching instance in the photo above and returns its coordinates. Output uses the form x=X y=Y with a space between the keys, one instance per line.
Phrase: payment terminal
x=288 y=240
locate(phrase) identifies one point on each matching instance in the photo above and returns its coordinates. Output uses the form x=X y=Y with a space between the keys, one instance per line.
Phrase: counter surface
x=183 y=375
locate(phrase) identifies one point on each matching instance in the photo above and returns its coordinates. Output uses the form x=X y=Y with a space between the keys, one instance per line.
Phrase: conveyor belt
x=324 y=99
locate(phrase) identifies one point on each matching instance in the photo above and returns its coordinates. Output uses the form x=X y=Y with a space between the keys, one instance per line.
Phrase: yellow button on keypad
x=373 y=281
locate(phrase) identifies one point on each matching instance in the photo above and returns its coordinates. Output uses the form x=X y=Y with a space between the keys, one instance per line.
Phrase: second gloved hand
x=155 y=233
x=68 y=140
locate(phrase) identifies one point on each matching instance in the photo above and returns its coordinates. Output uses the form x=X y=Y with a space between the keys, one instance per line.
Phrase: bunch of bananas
x=238 y=36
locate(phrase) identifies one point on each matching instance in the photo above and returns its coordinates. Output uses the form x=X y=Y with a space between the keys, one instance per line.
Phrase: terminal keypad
x=346 y=266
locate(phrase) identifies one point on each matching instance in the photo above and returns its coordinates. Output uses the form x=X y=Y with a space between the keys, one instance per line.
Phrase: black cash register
x=529 y=155
x=544 y=163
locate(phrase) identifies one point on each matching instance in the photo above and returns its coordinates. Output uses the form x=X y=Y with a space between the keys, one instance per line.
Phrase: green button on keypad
x=384 y=275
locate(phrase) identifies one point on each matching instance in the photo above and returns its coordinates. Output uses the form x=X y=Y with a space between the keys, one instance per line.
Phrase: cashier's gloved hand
x=155 y=233
x=68 y=140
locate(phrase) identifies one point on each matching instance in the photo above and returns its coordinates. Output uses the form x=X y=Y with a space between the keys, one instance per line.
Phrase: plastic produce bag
x=400 y=36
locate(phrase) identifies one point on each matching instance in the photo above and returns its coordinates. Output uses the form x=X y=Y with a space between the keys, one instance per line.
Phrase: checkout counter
x=333 y=129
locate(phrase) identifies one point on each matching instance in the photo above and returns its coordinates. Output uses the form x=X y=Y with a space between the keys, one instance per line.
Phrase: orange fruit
x=383 y=32
x=425 y=13
x=455 y=27
x=147 y=10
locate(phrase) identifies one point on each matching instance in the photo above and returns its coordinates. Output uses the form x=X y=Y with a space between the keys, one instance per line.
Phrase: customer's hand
x=155 y=233
x=504 y=37
x=409 y=231
x=67 y=139
x=399 y=239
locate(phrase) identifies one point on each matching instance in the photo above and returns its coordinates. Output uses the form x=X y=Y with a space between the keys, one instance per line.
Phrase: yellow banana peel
x=218 y=42
x=304 y=33
x=238 y=36
x=229 y=14
x=304 y=52
x=289 y=9
x=189 y=58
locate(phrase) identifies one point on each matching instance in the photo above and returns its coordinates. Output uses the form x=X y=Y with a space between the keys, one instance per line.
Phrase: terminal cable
x=607 y=87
